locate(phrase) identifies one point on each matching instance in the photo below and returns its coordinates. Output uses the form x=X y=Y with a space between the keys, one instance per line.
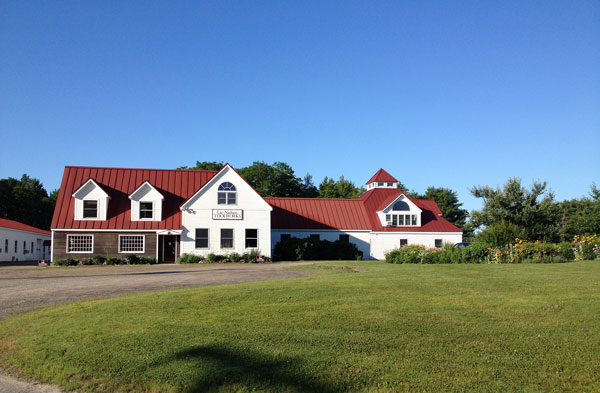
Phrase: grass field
x=387 y=328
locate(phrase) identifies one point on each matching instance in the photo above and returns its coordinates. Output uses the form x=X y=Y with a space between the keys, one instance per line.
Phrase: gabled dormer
x=382 y=179
x=91 y=202
x=400 y=212
x=146 y=203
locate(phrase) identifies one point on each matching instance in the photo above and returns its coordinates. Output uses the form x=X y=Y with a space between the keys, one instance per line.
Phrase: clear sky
x=450 y=94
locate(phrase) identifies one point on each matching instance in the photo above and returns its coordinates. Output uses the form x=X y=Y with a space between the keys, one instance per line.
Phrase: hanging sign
x=229 y=214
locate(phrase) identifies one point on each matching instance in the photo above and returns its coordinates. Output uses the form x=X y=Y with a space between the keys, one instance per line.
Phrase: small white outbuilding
x=21 y=242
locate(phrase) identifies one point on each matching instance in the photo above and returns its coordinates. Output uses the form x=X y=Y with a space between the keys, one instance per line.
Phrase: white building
x=21 y=242
x=164 y=213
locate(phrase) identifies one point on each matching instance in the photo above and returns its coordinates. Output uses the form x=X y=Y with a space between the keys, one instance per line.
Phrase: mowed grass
x=389 y=328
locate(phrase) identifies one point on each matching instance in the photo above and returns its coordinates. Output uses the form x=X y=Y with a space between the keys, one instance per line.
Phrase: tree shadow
x=219 y=367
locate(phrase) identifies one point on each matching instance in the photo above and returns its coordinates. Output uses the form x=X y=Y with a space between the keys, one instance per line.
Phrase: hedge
x=129 y=259
x=307 y=249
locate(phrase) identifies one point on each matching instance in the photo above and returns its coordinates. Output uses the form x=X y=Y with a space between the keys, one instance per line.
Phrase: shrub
x=499 y=234
x=114 y=261
x=296 y=249
x=565 y=250
x=132 y=259
x=98 y=259
x=87 y=261
x=410 y=254
x=235 y=257
x=212 y=258
x=147 y=260
x=65 y=262
x=474 y=253
x=190 y=258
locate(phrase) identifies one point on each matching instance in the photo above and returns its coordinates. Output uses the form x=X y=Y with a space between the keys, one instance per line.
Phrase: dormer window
x=146 y=203
x=226 y=194
x=90 y=202
x=90 y=209
x=146 y=210
x=400 y=212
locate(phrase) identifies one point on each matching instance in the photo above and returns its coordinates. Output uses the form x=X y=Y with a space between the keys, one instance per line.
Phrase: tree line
x=27 y=201
x=510 y=211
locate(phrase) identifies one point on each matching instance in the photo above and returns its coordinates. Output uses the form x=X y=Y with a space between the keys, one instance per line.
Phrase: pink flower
x=510 y=245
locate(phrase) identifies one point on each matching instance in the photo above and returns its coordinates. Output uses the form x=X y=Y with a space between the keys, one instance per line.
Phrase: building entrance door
x=169 y=248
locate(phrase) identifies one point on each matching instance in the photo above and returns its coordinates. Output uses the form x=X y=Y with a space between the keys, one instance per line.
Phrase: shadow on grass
x=219 y=368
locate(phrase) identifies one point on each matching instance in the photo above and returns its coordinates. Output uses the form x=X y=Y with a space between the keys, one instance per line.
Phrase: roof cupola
x=382 y=179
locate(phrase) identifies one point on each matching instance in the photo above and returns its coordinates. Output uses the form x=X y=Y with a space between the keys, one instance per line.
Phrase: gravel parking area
x=25 y=288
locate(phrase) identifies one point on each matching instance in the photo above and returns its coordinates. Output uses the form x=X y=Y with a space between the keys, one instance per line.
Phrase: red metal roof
x=379 y=198
x=318 y=213
x=382 y=176
x=177 y=186
x=5 y=223
x=355 y=214
x=174 y=184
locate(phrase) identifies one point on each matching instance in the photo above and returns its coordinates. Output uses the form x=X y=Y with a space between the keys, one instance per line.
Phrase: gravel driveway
x=25 y=288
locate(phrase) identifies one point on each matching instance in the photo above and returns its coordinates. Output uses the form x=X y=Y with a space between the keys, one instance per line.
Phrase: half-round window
x=400 y=206
x=226 y=194
x=226 y=186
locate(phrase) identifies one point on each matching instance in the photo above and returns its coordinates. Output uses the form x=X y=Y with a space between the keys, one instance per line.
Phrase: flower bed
x=520 y=251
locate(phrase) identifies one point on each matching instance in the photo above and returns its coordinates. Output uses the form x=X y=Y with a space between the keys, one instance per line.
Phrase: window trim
x=140 y=211
x=252 y=238
x=78 y=252
x=207 y=239
x=232 y=239
x=83 y=201
x=132 y=252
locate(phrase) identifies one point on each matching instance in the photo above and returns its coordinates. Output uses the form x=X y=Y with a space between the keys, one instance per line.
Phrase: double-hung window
x=201 y=237
x=251 y=238
x=80 y=243
x=226 y=238
x=131 y=243
x=90 y=209
x=146 y=210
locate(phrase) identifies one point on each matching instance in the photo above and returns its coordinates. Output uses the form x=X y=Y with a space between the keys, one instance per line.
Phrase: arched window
x=400 y=206
x=226 y=194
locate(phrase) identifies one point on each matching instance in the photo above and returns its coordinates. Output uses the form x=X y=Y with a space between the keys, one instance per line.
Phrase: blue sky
x=450 y=94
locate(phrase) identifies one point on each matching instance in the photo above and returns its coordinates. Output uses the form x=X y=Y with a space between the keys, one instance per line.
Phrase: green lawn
x=389 y=328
